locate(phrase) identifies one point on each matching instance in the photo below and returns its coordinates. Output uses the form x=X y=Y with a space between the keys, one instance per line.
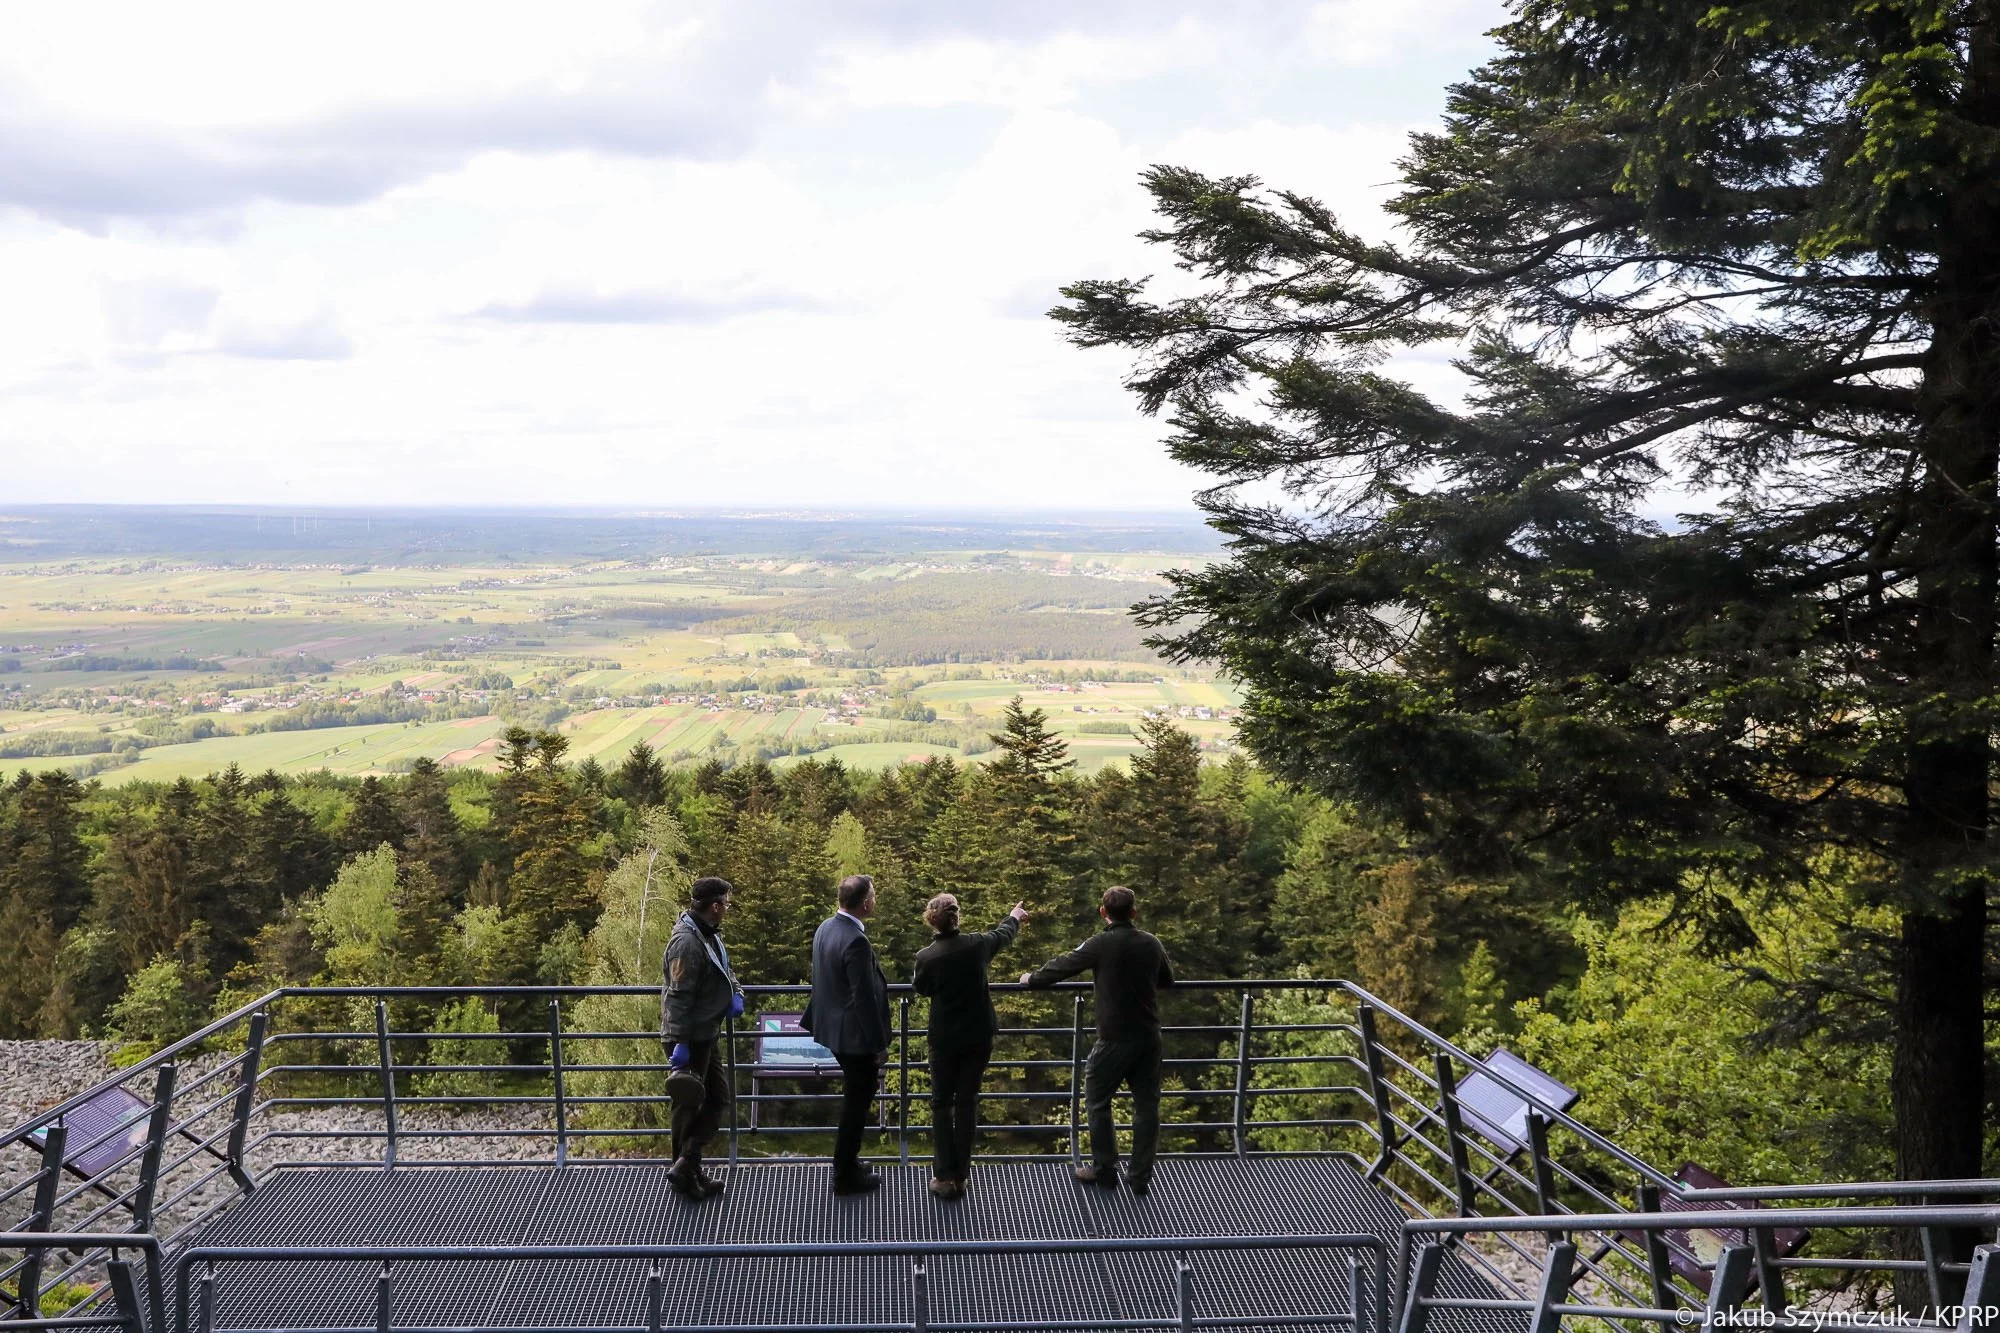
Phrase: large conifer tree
x=1742 y=260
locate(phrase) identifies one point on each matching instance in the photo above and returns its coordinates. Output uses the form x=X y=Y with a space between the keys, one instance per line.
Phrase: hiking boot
x=863 y=1182
x=945 y=1189
x=711 y=1184
x=685 y=1177
x=1102 y=1177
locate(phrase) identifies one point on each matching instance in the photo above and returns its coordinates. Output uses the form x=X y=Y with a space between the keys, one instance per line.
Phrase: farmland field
x=153 y=664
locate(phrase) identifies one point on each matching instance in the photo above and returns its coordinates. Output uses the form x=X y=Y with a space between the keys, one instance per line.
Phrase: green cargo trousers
x=1133 y=1062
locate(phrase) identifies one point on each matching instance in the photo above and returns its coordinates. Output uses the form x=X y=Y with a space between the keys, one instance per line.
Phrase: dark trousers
x=1134 y=1062
x=700 y=1094
x=955 y=1076
x=860 y=1075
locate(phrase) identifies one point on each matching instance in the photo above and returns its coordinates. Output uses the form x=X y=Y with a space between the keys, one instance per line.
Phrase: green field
x=464 y=651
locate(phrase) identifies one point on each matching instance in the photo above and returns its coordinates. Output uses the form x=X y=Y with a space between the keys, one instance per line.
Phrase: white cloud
x=471 y=253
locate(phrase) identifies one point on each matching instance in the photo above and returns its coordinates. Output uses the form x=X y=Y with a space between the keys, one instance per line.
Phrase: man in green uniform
x=1128 y=967
x=699 y=992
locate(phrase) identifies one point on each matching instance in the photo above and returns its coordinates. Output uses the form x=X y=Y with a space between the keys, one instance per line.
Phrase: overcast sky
x=669 y=255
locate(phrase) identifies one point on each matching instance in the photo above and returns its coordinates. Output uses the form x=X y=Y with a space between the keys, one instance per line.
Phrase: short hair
x=941 y=913
x=710 y=887
x=1120 y=903
x=854 y=891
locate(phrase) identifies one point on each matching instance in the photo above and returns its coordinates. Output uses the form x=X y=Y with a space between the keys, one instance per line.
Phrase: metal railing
x=592 y=1084
x=576 y=1075
x=195 y=1275
x=1972 y=1302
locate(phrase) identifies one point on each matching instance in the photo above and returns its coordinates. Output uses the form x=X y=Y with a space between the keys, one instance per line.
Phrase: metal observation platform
x=322 y=1160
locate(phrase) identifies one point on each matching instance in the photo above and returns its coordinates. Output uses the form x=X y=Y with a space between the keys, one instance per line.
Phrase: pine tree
x=641 y=779
x=289 y=856
x=1029 y=811
x=431 y=831
x=1737 y=259
x=371 y=821
x=1171 y=854
x=555 y=819
x=221 y=883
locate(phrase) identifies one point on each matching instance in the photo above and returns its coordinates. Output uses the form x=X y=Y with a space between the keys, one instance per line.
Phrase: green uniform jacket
x=696 y=992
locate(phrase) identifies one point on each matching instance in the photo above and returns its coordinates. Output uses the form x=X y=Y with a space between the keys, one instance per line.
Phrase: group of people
x=848 y=1014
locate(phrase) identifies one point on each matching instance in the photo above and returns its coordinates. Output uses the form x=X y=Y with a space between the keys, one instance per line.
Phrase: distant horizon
x=801 y=513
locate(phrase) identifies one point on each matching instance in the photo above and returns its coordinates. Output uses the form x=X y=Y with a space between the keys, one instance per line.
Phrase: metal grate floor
x=792 y=1202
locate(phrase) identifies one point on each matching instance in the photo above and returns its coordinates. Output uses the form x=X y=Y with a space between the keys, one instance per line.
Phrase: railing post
x=1546 y=1317
x=1935 y=1243
x=388 y=1085
x=385 y=1299
x=1454 y=1133
x=1356 y=1303
x=1657 y=1271
x=920 y=1297
x=1982 y=1288
x=246 y=1099
x=156 y=1145
x=1184 y=1294
x=1416 y=1313
x=729 y=1059
x=1545 y=1174
x=1728 y=1284
x=903 y=1082
x=28 y=1284
x=1378 y=1091
x=1242 y=1075
x=1770 y=1277
x=204 y=1304
x=556 y=1073
x=125 y=1295
x=1076 y=1083
x=655 y=1298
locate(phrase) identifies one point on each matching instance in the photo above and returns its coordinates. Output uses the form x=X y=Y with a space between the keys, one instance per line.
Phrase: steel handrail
x=209 y=1256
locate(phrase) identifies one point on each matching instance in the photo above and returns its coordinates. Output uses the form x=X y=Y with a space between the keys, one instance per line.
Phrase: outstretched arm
x=1080 y=959
x=998 y=938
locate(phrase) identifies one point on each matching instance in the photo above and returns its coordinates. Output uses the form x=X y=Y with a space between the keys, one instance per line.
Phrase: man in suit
x=1128 y=966
x=849 y=1015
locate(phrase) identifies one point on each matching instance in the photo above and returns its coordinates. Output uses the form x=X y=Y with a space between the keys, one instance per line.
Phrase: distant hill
x=231 y=534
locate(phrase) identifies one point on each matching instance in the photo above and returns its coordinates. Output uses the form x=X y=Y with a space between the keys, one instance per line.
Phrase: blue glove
x=679 y=1058
x=736 y=1004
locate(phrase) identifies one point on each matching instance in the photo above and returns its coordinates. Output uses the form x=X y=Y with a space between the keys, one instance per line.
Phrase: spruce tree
x=641 y=779
x=1029 y=811
x=371 y=821
x=431 y=831
x=1737 y=260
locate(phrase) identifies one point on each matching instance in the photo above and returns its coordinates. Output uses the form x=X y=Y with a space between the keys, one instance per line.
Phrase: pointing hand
x=1020 y=912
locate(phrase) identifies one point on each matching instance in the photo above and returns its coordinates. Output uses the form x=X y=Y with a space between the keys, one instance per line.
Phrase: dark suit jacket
x=951 y=969
x=849 y=1009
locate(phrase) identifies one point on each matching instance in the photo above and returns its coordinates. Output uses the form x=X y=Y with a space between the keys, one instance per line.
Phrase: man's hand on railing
x=678 y=1057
